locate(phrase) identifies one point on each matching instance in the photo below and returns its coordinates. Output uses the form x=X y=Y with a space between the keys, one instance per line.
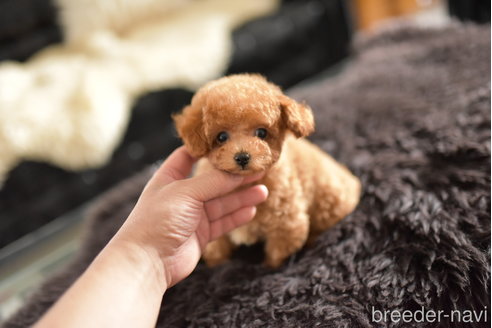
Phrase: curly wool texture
x=70 y=103
x=411 y=117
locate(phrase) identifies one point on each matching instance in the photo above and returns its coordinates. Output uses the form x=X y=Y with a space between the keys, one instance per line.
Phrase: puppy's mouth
x=242 y=171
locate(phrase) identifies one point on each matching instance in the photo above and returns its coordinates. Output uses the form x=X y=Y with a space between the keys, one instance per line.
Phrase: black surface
x=470 y=10
x=301 y=39
x=27 y=26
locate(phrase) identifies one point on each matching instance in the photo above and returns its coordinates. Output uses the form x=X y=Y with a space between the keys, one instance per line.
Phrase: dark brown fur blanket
x=410 y=115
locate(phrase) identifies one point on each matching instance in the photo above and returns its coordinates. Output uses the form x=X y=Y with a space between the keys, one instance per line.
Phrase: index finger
x=215 y=183
x=176 y=167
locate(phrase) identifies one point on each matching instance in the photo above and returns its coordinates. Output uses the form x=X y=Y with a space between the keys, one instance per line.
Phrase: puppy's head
x=240 y=121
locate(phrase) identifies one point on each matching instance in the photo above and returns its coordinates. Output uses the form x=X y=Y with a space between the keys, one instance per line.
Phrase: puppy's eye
x=222 y=137
x=261 y=133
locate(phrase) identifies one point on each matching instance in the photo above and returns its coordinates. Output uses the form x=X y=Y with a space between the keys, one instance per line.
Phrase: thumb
x=215 y=183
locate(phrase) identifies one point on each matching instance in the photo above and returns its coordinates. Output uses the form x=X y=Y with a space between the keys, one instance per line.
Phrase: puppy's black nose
x=242 y=159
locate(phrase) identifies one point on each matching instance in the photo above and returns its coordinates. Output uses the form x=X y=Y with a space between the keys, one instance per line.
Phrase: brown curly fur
x=308 y=190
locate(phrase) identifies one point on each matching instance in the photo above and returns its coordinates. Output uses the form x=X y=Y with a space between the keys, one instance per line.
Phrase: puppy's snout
x=242 y=159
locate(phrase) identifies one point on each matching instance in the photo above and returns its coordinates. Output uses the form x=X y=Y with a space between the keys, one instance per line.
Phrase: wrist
x=142 y=263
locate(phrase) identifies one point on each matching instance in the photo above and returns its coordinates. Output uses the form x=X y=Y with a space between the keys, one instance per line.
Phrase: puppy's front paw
x=274 y=257
x=214 y=261
x=273 y=263
x=282 y=244
x=217 y=252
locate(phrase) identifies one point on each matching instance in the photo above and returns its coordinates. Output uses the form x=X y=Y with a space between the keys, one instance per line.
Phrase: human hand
x=159 y=244
x=176 y=217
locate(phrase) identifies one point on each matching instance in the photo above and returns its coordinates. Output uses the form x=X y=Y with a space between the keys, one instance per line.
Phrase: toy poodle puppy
x=242 y=124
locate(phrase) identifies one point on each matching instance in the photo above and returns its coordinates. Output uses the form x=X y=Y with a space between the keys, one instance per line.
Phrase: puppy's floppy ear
x=297 y=117
x=189 y=124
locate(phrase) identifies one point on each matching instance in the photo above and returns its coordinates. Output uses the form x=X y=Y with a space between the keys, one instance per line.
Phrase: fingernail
x=254 y=210
x=265 y=189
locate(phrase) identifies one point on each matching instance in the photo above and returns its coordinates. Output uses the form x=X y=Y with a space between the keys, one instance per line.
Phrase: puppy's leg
x=218 y=251
x=333 y=202
x=286 y=239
